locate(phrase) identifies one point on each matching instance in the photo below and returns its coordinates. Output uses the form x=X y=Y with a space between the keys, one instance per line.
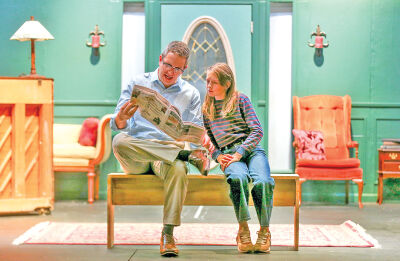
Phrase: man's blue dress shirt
x=182 y=95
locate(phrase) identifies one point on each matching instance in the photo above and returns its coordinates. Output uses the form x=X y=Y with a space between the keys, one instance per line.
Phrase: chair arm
x=296 y=147
x=103 y=145
x=353 y=144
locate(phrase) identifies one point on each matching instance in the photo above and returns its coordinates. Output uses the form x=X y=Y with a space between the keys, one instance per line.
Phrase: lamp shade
x=32 y=30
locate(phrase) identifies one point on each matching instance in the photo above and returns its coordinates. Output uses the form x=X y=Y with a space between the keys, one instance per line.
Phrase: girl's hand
x=223 y=159
x=235 y=157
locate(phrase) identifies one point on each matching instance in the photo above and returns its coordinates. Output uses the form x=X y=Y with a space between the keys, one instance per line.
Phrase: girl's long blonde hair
x=225 y=76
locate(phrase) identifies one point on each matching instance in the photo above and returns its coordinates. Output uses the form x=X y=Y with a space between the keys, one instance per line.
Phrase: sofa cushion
x=88 y=134
x=310 y=144
x=329 y=173
x=66 y=133
x=73 y=151
x=64 y=162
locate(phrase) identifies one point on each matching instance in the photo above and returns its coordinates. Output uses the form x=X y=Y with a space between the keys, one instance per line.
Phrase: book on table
x=391 y=144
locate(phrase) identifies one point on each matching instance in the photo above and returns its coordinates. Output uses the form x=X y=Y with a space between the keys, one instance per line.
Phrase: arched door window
x=208 y=45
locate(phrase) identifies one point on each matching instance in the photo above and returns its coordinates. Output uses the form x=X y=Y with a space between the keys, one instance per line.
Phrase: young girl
x=234 y=130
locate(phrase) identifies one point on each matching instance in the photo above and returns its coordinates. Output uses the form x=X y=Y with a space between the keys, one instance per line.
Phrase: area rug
x=347 y=234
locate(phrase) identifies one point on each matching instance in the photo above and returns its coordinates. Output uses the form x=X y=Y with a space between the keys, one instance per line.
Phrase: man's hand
x=125 y=113
x=206 y=142
x=226 y=159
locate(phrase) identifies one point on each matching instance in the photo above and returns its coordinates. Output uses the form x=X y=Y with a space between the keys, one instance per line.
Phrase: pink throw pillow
x=88 y=134
x=311 y=144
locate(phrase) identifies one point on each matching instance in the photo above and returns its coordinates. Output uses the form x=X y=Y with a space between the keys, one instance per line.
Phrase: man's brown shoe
x=199 y=159
x=263 y=242
x=243 y=240
x=167 y=245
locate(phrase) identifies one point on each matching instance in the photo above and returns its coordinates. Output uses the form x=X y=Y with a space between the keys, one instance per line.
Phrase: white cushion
x=73 y=151
x=66 y=133
x=70 y=162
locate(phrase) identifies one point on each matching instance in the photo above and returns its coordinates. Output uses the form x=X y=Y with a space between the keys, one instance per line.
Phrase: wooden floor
x=382 y=222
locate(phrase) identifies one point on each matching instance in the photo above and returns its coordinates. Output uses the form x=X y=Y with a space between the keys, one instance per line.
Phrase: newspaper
x=165 y=116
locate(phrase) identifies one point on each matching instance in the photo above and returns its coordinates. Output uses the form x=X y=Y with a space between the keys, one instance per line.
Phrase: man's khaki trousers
x=138 y=156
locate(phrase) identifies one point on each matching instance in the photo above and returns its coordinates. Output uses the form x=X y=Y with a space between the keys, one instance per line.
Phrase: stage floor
x=381 y=222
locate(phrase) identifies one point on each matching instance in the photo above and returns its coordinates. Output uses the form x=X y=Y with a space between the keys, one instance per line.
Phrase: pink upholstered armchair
x=330 y=115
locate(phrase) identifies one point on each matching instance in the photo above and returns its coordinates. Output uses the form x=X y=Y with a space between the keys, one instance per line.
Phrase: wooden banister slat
x=33 y=162
x=32 y=138
x=5 y=136
x=5 y=181
x=5 y=160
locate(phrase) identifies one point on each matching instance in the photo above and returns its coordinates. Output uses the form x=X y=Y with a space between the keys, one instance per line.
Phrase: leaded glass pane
x=206 y=49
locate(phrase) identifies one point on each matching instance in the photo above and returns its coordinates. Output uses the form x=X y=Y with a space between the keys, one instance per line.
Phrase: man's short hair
x=177 y=47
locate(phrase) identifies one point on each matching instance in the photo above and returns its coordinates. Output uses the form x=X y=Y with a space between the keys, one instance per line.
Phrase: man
x=142 y=148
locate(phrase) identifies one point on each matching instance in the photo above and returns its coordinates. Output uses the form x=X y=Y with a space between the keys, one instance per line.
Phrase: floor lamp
x=32 y=31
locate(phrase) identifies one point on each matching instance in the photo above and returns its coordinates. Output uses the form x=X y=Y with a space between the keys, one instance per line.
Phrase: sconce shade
x=319 y=42
x=32 y=30
x=96 y=41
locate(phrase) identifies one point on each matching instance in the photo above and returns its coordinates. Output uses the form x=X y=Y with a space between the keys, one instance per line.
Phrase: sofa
x=70 y=156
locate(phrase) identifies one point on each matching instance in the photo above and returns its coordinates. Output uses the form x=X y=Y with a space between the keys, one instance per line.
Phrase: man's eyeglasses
x=169 y=67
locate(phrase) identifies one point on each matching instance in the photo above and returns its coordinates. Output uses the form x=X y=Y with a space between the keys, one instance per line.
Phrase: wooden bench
x=209 y=190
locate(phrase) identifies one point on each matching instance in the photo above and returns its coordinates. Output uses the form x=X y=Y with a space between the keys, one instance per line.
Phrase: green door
x=236 y=23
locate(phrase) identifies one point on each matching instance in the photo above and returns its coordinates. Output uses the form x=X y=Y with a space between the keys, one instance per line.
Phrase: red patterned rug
x=347 y=234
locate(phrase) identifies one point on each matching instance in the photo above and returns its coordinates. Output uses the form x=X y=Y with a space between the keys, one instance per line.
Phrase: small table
x=389 y=167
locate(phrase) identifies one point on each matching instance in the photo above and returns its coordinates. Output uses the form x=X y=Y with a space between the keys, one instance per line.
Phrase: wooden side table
x=389 y=167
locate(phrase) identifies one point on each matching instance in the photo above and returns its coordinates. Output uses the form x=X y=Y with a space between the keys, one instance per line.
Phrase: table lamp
x=34 y=31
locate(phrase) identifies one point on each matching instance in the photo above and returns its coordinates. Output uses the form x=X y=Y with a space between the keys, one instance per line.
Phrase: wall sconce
x=319 y=41
x=32 y=31
x=95 y=40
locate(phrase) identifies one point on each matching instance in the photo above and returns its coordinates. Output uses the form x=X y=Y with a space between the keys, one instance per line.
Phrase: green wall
x=363 y=60
x=84 y=85
x=80 y=77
